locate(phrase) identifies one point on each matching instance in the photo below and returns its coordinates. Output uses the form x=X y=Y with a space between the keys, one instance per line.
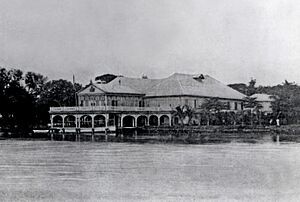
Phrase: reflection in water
x=85 y=171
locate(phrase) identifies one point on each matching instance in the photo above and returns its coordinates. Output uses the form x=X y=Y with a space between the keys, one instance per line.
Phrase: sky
x=230 y=40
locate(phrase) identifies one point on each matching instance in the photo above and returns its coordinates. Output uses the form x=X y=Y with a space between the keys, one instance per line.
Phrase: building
x=265 y=101
x=132 y=102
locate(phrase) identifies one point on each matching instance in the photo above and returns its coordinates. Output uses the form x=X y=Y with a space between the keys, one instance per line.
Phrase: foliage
x=25 y=99
x=286 y=96
x=252 y=103
x=16 y=107
x=59 y=93
x=34 y=83
x=248 y=90
x=211 y=108
x=241 y=87
x=213 y=105
x=105 y=78
x=185 y=114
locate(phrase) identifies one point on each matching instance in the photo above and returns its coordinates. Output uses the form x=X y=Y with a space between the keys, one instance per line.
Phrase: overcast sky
x=231 y=40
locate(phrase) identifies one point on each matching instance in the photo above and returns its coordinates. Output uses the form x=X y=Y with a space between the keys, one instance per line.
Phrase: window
x=235 y=105
x=92 y=89
x=141 y=104
x=242 y=106
x=114 y=103
x=195 y=103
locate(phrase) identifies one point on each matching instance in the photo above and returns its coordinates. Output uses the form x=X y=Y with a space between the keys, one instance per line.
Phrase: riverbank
x=182 y=135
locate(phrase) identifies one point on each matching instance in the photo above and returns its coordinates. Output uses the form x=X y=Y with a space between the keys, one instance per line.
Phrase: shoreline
x=185 y=135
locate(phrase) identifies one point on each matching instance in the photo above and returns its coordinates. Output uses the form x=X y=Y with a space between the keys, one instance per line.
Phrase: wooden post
x=93 y=124
x=135 y=134
x=51 y=119
x=63 y=122
x=106 y=134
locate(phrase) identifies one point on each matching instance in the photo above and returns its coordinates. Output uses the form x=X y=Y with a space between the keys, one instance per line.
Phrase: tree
x=55 y=93
x=251 y=87
x=248 y=90
x=16 y=104
x=34 y=83
x=59 y=93
x=241 y=87
x=255 y=106
x=185 y=114
x=105 y=78
x=212 y=106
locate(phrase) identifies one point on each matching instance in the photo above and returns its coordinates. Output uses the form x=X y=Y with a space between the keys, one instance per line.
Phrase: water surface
x=86 y=171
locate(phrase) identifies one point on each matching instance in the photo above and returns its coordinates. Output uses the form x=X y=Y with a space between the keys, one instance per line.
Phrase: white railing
x=108 y=108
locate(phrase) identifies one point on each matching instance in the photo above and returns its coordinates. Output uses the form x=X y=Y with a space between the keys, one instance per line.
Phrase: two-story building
x=132 y=102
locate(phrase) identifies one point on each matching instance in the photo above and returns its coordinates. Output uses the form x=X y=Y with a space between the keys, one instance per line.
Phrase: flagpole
x=75 y=94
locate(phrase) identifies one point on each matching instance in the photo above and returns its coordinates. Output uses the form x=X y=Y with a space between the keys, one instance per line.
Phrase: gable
x=91 y=89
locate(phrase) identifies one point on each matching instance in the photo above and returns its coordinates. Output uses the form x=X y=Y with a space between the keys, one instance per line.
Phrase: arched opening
x=85 y=121
x=141 y=121
x=57 y=121
x=70 y=121
x=153 y=120
x=99 y=121
x=164 y=120
x=128 y=121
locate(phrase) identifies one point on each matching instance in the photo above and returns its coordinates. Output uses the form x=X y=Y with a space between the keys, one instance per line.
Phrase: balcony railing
x=108 y=108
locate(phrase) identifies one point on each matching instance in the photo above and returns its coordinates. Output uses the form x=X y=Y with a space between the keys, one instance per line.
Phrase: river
x=93 y=171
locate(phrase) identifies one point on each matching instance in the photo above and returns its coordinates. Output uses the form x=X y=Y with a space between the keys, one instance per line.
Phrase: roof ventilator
x=199 y=77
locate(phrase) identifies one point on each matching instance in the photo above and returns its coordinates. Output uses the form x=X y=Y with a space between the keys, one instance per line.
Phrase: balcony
x=54 y=110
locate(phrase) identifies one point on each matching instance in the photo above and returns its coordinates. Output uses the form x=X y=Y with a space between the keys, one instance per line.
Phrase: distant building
x=265 y=101
x=131 y=102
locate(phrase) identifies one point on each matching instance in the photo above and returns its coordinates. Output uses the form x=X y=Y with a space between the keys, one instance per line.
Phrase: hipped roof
x=261 y=97
x=174 y=85
x=185 y=84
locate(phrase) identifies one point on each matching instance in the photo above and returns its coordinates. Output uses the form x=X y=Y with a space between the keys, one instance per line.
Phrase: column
x=134 y=120
x=76 y=121
x=63 y=121
x=105 y=101
x=51 y=119
x=106 y=120
x=158 y=120
x=93 y=124
x=121 y=121
x=170 y=120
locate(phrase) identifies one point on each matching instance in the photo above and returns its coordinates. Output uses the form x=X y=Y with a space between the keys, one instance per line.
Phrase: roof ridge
x=223 y=85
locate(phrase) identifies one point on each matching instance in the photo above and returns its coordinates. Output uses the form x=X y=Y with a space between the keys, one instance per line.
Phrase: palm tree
x=254 y=106
x=211 y=106
x=184 y=112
